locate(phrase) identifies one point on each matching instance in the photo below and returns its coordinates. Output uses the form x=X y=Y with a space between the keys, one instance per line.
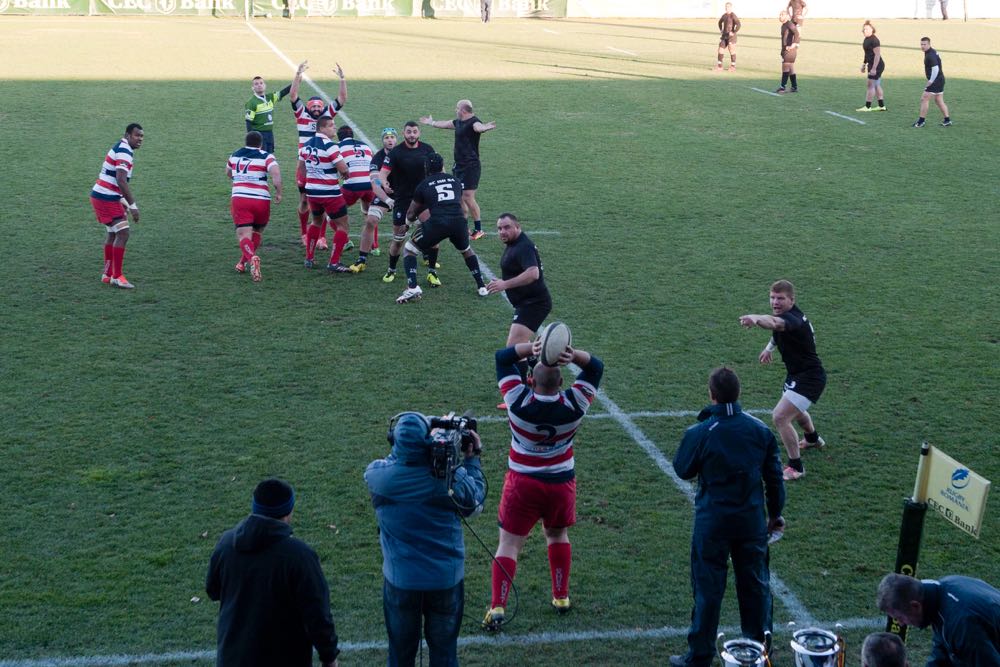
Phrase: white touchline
x=766 y=92
x=853 y=120
x=551 y=32
x=631 y=53
x=642 y=414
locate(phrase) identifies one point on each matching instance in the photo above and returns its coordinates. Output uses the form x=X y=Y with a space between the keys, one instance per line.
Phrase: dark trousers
x=709 y=567
x=268 y=136
x=441 y=613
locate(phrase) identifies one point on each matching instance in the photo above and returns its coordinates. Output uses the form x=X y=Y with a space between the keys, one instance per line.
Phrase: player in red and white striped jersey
x=249 y=168
x=109 y=197
x=540 y=481
x=358 y=187
x=323 y=165
x=306 y=116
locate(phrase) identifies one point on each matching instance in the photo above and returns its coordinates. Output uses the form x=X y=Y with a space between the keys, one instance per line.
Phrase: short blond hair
x=783 y=287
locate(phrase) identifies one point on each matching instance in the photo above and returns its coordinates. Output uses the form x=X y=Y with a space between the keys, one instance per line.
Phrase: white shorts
x=798 y=400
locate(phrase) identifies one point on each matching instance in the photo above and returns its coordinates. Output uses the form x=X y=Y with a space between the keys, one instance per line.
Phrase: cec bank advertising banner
x=956 y=493
x=306 y=8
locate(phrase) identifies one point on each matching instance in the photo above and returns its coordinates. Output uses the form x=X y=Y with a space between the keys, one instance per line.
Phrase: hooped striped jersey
x=358 y=156
x=321 y=157
x=119 y=157
x=542 y=427
x=304 y=121
x=249 y=167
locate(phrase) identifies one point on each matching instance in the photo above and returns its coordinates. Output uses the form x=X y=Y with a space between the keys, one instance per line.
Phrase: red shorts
x=352 y=196
x=247 y=211
x=525 y=500
x=334 y=207
x=107 y=211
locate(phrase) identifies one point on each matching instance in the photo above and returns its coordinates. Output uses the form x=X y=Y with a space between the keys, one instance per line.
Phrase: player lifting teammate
x=109 y=197
x=306 y=116
x=874 y=65
x=381 y=204
x=789 y=50
x=729 y=25
x=793 y=335
x=935 y=84
x=248 y=168
x=407 y=165
x=440 y=194
x=322 y=163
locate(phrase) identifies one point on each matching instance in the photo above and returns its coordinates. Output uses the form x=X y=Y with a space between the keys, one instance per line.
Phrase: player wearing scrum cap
x=110 y=196
x=793 y=335
x=440 y=194
x=306 y=116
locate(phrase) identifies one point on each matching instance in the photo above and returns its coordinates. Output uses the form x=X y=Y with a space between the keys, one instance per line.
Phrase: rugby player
x=935 y=84
x=322 y=163
x=874 y=64
x=110 y=196
x=729 y=25
x=789 y=50
x=248 y=169
x=380 y=205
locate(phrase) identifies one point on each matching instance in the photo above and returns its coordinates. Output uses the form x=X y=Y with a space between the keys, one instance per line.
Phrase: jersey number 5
x=445 y=192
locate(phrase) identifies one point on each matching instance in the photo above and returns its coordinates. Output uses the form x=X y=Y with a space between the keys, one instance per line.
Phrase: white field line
x=536 y=232
x=642 y=414
x=551 y=32
x=469 y=640
x=791 y=602
x=850 y=118
x=787 y=597
x=630 y=53
x=766 y=92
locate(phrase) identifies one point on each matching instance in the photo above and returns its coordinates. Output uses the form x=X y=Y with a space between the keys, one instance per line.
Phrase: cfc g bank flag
x=955 y=492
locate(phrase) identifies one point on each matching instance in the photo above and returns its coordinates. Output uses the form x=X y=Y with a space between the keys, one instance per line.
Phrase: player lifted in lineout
x=306 y=116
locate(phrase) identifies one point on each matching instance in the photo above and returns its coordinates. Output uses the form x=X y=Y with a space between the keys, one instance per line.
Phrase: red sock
x=339 y=241
x=326 y=221
x=117 y=258
x=108 y=254
x=255 y=237
x=502 y=582
x=303 y=221
x=312 y=235
x=560 y=557
x=246 y=247
x=375 y=238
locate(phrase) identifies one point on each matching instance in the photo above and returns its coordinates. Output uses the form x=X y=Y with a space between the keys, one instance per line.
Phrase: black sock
x=410 y=264
x=796 y=464
x=473 y=263
x=868 y=105
x=784 y=79
x=479 y=225
x=921 y=119
x=732 y=58
x=432 y=258
x=947 y=119
x=812 y=437
x=795 y=83
x=393 y=260
x=881 y=103
x=362 y=257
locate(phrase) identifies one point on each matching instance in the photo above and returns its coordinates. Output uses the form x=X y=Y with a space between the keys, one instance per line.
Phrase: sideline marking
x=766 y=92
x=631 y=53
x=536 y=232
x=551 y=32
x=642 y=414
x=666 y=632
x=853 y=120
x=778 y=587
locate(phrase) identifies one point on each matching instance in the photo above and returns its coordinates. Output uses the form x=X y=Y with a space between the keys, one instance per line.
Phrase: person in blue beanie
x=275 y=602
x=419 y=513
x=739 y=501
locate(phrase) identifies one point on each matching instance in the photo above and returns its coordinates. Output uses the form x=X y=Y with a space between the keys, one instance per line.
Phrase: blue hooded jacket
x=420 y=528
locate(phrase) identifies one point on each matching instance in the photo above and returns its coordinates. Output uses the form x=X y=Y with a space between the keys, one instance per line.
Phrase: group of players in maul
x=792 y=19
x=335 y=170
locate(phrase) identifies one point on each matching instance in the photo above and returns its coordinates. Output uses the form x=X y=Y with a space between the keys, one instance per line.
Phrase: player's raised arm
x=342 y=91
x=297 y=81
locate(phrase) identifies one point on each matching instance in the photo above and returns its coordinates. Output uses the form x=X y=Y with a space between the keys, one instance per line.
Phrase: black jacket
x=965 y=616
x=275 y=600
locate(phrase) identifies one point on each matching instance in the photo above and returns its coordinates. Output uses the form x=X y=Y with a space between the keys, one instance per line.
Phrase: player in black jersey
x=407 y=165
x=874 y=65
x=793 y=335
x=729 y=25
x=440 y=194
x=379 y=206
x=467 y=169
x=789 y=50
x=935 y=84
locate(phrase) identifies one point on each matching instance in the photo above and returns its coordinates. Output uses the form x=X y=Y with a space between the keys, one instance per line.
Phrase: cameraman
x=420 y=529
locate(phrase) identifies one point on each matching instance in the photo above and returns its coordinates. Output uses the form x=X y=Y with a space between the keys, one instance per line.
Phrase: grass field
x=664 y=200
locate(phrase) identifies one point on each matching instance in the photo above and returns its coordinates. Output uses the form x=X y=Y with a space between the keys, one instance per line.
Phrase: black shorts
x=268 y=136
x=937 y=86
x=468 y=175
x=727 y=41
x=810 y=385
x=788 y=57
x=532 y=314
x=399 y=211
x=433 y=231
x=877 y=74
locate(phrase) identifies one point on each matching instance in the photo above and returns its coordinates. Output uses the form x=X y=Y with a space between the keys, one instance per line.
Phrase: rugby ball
x=555 y=338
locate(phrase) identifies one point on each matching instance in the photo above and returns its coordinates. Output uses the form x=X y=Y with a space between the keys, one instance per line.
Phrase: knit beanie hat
x=274 y=498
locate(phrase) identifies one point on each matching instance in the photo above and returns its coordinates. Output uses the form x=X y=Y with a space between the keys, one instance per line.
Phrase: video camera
x=451 y=435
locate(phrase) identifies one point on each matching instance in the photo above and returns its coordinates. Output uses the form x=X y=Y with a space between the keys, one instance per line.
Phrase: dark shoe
x=678 y=661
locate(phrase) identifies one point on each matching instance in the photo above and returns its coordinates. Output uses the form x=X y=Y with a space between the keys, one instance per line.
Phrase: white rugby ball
x=556 y=337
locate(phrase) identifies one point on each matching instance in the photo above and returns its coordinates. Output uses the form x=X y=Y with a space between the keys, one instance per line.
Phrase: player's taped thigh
x=375 y=212
x=412 y=248
x=119 y=226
